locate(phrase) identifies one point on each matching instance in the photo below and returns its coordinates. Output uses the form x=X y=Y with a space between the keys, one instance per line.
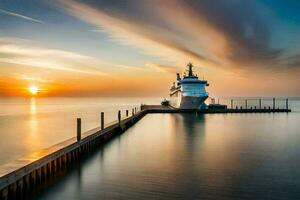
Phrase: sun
x=33 y=90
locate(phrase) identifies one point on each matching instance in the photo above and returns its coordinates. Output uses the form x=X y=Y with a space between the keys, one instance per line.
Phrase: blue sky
x=242 y=47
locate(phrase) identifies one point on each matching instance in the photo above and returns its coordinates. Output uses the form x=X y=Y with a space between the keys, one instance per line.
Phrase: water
x=188 y=156
x=164 y=156
x=29 y=124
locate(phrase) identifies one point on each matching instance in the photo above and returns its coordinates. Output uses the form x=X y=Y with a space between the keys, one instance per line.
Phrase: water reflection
x=184 y=156
x=33 y=137
x=33 y=106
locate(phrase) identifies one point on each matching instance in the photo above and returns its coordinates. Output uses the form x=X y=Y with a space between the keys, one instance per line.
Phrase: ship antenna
x=190 y=65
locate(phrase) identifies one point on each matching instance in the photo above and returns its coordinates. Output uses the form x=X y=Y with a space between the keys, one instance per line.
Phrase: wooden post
x=119 y=116
x=259 y=103
x=287 y=104
x=273 y=103
x=78 y=129
x=102 y=120
x=132 y=111
x=231 y=103
x=126 y=113
x=246 y=103
x=135 y=110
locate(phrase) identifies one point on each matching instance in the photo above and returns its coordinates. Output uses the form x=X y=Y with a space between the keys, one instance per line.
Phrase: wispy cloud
x=130 y=67
x=134 y=33
x=163 y=68
x=26 y=53
x=223 y=34
x=33 y=78
x=20 y=16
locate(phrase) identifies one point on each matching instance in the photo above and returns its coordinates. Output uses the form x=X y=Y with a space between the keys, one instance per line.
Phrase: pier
x=168 y=109
x=19 y=179
x=24 y=176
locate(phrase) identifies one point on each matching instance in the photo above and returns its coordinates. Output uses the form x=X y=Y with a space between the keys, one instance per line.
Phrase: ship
x=189 y=91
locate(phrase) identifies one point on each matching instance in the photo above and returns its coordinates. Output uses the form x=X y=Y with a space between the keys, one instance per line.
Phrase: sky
x=135 y=47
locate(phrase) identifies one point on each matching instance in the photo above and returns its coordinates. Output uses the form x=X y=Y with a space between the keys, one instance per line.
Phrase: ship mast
x=190 y=65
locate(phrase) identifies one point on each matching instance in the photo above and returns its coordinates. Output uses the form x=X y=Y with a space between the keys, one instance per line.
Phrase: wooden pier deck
x=22 y=176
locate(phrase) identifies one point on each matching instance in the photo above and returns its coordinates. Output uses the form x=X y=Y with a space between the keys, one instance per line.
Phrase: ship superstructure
x=189 y=91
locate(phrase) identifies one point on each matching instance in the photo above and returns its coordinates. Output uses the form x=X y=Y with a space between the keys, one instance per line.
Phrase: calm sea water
x=29 y=124
x=165 y=156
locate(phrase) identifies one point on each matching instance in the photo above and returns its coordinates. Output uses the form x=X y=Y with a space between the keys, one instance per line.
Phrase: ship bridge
x=191 y=77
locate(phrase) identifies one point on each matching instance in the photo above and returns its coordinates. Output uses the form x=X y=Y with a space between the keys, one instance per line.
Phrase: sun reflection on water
x=32 y=106
x=33 y=139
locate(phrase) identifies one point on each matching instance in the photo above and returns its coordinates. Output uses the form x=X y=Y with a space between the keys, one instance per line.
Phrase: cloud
x=130 y=67
x=33 y=78
x=223 y=34
x=20 y=16
x=293 y=61
x=133 y=33
x=28 y=53
x=163 y=68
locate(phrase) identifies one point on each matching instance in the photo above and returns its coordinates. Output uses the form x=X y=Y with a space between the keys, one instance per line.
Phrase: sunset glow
x=102 y=48
x=33 y=90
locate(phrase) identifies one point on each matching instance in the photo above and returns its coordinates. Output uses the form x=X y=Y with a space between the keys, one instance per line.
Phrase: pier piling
x=259 y=103
x=78 y=129
x=126 y=113
x=102 y=120
x=246 y=103
x=231 y=103
x=287 y=104
x=119 y=116
x=273 y=103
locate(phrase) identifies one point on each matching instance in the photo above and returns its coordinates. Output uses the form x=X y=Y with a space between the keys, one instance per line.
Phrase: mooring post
x=135 y=110
x=259 y=103
x=287 y=104
x=102 y=120
x=126 y=113
x=231 y=103
x=78 y=129
x=132 y=111
x=119 y=116
x=274 y=103
x=246 y=103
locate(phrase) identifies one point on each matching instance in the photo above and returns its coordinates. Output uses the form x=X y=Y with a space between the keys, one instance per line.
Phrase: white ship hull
x=188 y=102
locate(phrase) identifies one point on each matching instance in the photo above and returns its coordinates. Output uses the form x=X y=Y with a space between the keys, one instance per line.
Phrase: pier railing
x=252 y=103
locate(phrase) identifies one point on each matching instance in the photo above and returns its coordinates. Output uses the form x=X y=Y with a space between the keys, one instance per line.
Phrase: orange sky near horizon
x=141 y=83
